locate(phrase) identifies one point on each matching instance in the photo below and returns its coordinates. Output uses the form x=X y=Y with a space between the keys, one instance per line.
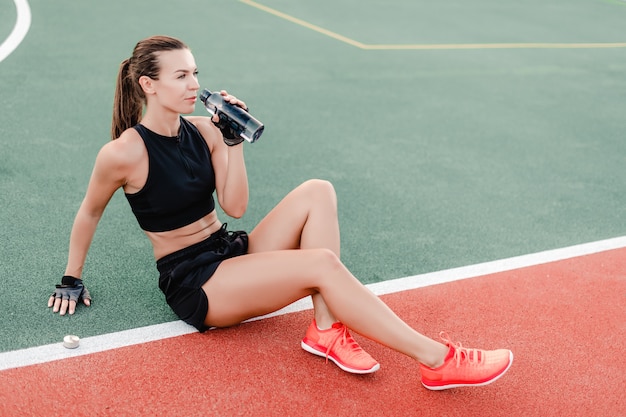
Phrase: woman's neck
x=165 y=124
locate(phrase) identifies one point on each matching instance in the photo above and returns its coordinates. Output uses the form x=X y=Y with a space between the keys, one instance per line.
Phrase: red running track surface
x=565 y=322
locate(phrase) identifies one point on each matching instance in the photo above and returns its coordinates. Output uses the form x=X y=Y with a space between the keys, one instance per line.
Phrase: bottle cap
x=205 y=95
x=71 y=341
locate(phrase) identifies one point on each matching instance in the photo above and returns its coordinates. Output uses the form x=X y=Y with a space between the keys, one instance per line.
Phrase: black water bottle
x=240 y=121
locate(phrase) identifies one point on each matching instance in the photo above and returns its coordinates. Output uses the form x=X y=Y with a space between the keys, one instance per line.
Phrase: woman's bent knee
x=325 y=263
x=320 y=192
x=320 y=186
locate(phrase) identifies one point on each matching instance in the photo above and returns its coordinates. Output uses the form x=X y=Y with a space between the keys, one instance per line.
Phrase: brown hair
x=129 y=97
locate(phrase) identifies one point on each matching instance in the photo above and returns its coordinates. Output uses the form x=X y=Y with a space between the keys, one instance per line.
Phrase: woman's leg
x=272 y=276
x=260 y=283
x=305 y=219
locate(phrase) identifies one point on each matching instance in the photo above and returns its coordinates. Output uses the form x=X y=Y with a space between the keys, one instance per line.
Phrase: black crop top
x=181 y=181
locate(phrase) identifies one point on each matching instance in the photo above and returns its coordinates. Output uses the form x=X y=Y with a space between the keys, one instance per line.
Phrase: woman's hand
x=230 y=135
x=232 y=100
x=68 y=294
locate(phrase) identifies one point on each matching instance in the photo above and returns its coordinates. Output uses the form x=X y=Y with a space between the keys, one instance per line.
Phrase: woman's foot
x=465 y=367
x=337 y=344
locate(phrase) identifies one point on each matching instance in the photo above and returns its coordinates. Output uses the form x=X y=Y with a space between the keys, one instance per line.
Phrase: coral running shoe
x=465 y=367
x=338 y=345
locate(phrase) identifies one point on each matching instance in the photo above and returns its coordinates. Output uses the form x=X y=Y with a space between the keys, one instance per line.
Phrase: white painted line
x=94 y=344
x=22 y=25
x=471 y=271
x=88 y=345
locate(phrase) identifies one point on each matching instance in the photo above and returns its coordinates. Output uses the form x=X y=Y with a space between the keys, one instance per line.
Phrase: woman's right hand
x=68 y=294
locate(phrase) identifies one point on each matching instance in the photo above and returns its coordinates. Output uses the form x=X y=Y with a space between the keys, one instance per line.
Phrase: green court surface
x=441 y=157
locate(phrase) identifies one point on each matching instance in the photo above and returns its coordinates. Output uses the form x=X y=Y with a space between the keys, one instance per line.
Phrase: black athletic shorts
x=183 y=273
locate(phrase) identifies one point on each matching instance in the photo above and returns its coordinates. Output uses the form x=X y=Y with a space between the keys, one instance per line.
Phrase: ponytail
x=127 y=105
x=129 y=97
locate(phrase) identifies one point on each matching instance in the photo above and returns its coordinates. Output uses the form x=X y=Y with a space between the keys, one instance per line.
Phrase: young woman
x=170 y=166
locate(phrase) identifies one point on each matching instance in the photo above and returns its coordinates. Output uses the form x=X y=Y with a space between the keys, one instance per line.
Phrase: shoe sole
x=480 y=384
x=314 y=351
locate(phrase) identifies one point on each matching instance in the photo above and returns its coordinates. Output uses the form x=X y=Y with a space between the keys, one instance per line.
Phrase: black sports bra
x=181 y=181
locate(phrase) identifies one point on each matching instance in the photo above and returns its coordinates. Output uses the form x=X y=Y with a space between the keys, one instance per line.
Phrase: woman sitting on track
x=169 y=166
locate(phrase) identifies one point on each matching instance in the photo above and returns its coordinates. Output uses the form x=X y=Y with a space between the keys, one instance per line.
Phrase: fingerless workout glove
x=71 y=289
x=231 y=137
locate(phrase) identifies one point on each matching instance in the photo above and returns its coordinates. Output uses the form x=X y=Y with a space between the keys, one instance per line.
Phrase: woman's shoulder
x=127 y=149
x=200 y=122
x=207 y=129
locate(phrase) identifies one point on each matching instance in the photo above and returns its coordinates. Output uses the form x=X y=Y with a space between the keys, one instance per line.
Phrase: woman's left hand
x=232 y=100
x=231 y=138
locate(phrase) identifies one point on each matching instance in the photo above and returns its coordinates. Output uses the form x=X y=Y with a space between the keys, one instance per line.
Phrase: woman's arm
x=107 y=176
x=83 y=230
x=231 y=178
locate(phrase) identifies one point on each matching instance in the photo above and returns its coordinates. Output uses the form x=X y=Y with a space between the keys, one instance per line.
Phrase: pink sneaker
x=464 y=367
x=338 y=345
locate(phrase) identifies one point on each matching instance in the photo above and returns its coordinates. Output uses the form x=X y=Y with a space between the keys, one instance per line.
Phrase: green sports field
x=441 y=155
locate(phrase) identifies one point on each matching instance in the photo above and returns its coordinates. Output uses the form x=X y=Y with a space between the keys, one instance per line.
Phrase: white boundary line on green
x=426 y=47
x=22 y=25
x=89 y=345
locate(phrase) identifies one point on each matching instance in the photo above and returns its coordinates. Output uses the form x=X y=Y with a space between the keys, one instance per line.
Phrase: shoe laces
x=461 y=354
x=344 y=339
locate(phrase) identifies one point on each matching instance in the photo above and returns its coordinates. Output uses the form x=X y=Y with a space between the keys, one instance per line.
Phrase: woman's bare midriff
x=164 y=243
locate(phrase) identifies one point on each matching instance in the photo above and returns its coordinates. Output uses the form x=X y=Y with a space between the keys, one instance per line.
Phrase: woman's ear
x=146 y=84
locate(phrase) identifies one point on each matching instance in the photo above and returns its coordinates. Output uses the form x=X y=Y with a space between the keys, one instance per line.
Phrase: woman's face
x=177 y=86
